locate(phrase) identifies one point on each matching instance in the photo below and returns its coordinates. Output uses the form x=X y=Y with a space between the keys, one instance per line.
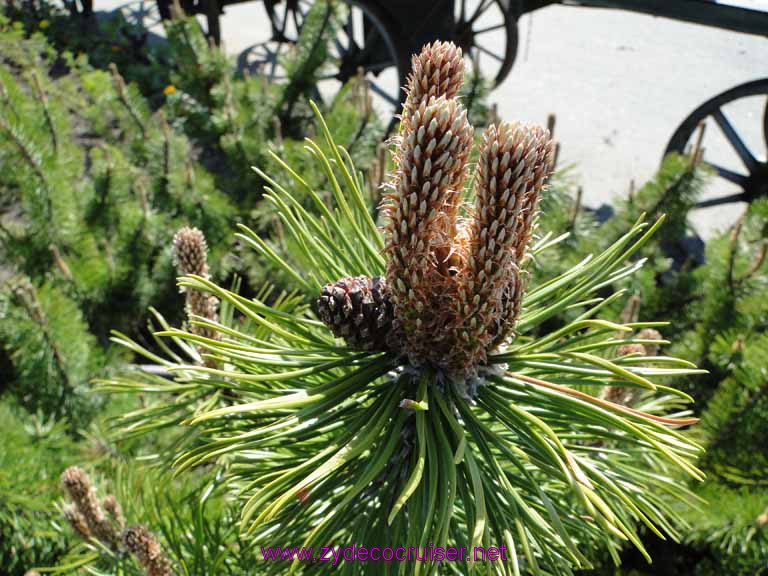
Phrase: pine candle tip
x=438 y=70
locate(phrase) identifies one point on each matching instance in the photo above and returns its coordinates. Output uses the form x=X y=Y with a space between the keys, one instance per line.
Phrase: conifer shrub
x=714 y=295
x=97 y=185
x=103 y=177
x=429 y=403
x=34 y=452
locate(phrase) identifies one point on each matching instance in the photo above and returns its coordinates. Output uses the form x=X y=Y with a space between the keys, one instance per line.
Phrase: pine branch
x=122 y=93
x=43 y=99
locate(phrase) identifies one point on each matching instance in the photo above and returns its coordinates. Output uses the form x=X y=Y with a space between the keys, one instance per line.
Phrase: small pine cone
x=115 y=511
x=140 y=541
x=650 y=334
x=622 y=395
x=77 y=521
x=513 y=164
x=360 y=311
x=80 y=489
x=626 y=349
x=190 y=252
x=438 y=70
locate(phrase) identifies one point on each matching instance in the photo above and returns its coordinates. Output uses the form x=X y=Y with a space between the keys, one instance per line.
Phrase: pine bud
x=190 y=256
x=360 y=311
x=190 y=252
x=83 y=495
x=430 y=172
x=622 y=395
x=626 y=349
x=140 y=541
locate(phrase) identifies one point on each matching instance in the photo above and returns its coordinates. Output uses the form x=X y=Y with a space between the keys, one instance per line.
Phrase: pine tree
x=98 y=182
x=324 y=442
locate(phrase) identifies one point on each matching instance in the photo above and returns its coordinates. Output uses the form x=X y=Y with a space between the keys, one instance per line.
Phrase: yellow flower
x=170 y=89
x=44 y=24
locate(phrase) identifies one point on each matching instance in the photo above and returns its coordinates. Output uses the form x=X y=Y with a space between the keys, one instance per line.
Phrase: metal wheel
x=486 y=30
x=750 y=177
x=365 y=41
x=144 y=14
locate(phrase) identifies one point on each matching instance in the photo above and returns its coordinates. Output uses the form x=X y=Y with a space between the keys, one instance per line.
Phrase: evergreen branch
x=122 y=93
x=43 y=98
x=26 y=153
x=26 y=295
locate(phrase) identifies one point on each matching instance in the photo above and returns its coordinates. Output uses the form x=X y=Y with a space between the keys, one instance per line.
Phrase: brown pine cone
x=359 y=310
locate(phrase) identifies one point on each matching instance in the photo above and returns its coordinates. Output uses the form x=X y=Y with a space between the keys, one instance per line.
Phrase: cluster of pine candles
x=431 y=403
x=453 y=284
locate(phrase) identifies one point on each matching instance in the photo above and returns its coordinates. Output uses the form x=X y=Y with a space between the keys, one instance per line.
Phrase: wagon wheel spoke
x=486 y=51
x=490 y=29
x=296 y=20
x=275 y=56
x=285 y=22
x=270 y=8
x=735 y=140
x=349 y=30
x=738 y=197
x=729 y=175
x=463 y=12
x=484 y=5
x=360 y=54
x=367 y=47
x=384 y=94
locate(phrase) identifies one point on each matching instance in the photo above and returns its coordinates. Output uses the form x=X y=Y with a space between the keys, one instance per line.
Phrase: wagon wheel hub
x=756 y=184
x=465 y=37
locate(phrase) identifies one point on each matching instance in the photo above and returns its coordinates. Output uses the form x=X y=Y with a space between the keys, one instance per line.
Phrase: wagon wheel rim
x=476 y=20
x=765 y=124
x=286 y=19
x=141 y=13
x=752 y=175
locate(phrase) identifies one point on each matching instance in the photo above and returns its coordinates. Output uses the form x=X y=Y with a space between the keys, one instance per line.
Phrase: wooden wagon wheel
x=752 y=184
x=145 y=14
x=365 y=41
x=487 y=32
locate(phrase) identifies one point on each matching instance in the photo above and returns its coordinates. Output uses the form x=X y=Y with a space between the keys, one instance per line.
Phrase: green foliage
x=194 y=524
x=52 y=352
x=99 y=186
x=34 y=453
x=323 y=444
x=720 y=315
